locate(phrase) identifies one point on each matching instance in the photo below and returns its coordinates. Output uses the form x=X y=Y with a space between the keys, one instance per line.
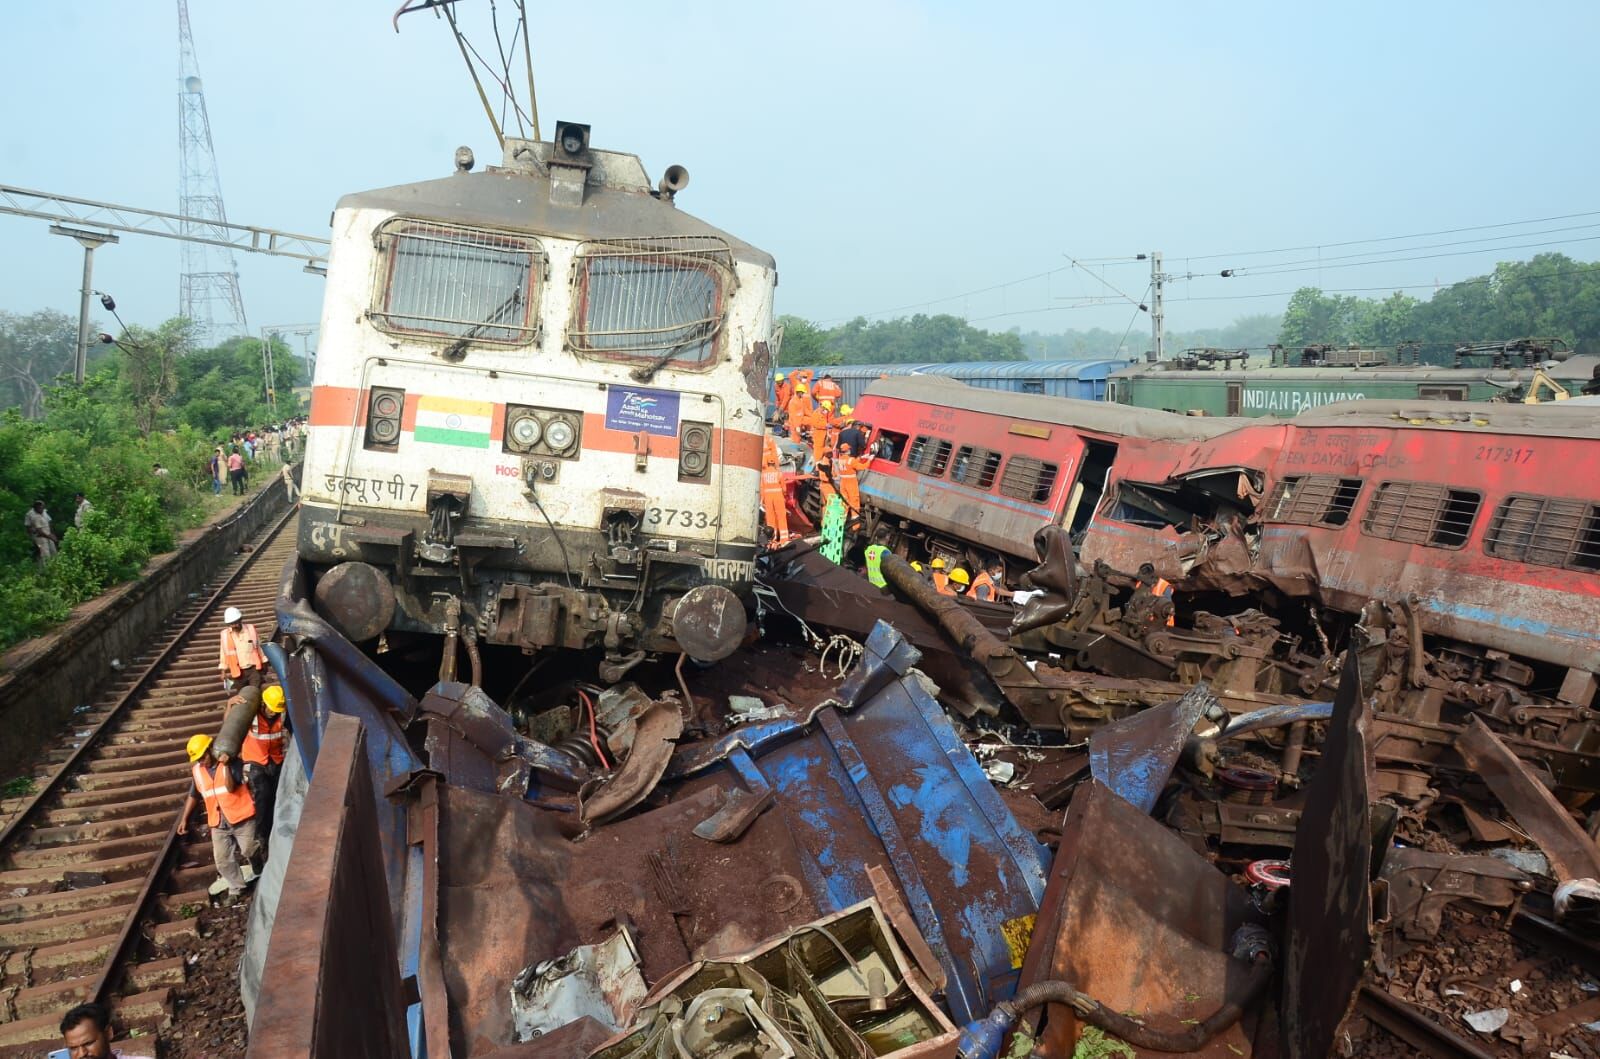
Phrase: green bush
x=102 y=439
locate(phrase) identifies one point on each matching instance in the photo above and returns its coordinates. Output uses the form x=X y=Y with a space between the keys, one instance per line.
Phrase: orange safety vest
x=263 y=743
x=941 y=583
x=846 y=469
x=236 y=805
x=826 y=389
x=981 y=582
x=782 y=393
x=249 y=642
x=772 y=503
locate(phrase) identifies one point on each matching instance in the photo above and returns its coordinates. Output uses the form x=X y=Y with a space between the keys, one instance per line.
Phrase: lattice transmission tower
x=208 y=285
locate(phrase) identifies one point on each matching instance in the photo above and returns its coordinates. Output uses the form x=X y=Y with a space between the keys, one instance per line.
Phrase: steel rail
x=54 y=782
x=158 y=867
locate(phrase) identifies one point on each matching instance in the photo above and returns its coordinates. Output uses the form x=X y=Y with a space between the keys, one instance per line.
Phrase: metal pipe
x=469 y=637
x=1290 y=763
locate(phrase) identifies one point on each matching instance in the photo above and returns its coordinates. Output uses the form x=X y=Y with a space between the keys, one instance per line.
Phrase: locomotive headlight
x=526 y=431
x=694 y=463
x=560 y=436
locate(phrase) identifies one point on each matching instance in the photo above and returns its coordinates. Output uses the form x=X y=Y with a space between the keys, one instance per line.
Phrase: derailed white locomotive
x=537 y=410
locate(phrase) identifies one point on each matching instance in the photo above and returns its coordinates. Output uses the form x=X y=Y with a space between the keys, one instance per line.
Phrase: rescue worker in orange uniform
x=846 y=470
x=989 y=585
x=825 y=389
x=230 y=813
x=782 y=390
x=941 y=580
x=241 y=659
x=959 y=580
x=820 y=423
x=262 y=754
x=772 y=505
x=798 y=411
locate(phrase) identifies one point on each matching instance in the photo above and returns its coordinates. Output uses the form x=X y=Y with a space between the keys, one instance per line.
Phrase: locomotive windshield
x=459 y=282
x=660 y=302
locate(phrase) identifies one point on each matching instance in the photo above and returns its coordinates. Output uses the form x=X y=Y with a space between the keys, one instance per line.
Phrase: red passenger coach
x=1483 y=522
x=967 y=473
x=1489 y=518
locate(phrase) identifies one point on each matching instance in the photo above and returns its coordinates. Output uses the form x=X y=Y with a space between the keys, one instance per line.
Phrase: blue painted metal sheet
x=891 y=783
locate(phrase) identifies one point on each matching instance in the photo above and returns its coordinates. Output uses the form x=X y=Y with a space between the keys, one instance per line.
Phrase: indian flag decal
x=454 y=421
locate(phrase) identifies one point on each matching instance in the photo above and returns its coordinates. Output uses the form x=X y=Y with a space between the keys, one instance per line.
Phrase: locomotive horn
x=674 y=180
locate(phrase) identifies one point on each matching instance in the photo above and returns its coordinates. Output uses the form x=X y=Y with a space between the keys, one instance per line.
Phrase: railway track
x=95 y=882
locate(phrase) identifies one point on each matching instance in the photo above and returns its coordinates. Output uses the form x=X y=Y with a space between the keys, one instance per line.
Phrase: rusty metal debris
x=1114 y=812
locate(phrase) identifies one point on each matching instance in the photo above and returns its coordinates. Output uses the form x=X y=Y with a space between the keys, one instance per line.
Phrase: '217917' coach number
x=681 y=517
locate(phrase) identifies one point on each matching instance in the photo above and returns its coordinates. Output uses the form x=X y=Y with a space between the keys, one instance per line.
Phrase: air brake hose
x=982 y=1039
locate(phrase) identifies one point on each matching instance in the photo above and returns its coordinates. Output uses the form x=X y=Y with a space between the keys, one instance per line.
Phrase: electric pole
x=1158 y=315
x=90 y=241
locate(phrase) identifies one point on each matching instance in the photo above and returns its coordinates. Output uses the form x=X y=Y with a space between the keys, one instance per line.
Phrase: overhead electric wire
x=1386 y=238
x=1268 y=270
x=1391 y=288
x=1367 y=258
x=1375 y=254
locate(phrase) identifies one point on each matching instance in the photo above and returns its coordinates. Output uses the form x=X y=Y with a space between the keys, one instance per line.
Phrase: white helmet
x=231 y=615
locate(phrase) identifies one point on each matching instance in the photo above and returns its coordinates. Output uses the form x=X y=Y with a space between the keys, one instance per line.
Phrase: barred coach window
x=458 y=282
x=652 y=300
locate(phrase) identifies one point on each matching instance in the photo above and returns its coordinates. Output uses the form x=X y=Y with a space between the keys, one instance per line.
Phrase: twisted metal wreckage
x=866 y=873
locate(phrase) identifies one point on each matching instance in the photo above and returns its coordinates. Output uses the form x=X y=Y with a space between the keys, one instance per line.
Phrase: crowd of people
x=276 y=444
x=812 y=412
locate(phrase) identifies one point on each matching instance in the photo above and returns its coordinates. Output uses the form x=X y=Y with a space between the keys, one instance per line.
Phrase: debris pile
x=1092 y=824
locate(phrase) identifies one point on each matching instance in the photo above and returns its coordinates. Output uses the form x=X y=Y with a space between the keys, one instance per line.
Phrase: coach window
x=1546 y=531
x=1426 y=513
x=660 y=302
x=1442 y=393
x=891 y=446
x=1313 y=500
x=458 y=282
x=929 y=456
x=975 y=467
x=1029 y=479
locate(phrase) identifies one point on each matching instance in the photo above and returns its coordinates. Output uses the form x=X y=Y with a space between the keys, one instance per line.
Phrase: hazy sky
x=888 y=154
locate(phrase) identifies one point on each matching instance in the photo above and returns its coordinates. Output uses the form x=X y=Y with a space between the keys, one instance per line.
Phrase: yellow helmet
x=198 y=745
x=780 y=376
x=938 y=563
x=959 y=576
x=272 y=699
x=845 y=409
x=827 y=403
x=801 y=389
x=917 y=567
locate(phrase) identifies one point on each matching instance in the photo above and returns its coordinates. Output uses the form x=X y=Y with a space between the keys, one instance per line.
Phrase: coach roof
x=1097 y=416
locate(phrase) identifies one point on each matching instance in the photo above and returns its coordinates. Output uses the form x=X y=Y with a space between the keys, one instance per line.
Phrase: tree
x=151 y=367
x=804 y=343
x=34 y=350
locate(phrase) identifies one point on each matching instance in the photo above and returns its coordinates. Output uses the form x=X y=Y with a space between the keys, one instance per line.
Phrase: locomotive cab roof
x=603 y=195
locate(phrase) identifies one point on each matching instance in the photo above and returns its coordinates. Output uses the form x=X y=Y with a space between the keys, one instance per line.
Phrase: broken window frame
x=406 y=241
x=1029 y=479
x=890 y=445
x=1421 y=513
x=1314 y=500
x=1549 y=531
x=697 y=339
x=918 y=459
x=970 y=457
